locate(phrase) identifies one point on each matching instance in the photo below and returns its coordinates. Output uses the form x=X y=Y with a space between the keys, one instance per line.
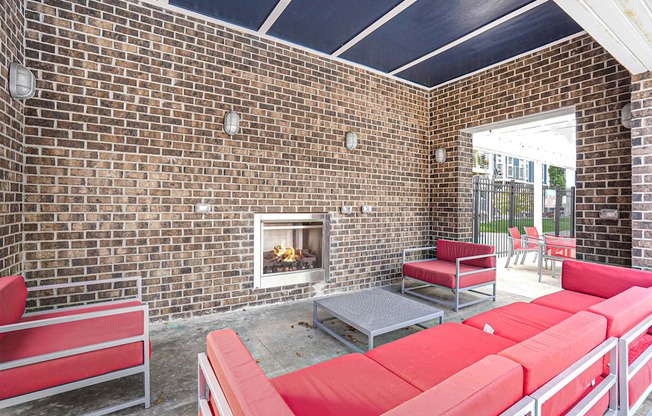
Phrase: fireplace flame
x=287 y=254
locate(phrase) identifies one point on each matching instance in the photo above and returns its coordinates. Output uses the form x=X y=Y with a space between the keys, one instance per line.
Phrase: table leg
x=371 y=343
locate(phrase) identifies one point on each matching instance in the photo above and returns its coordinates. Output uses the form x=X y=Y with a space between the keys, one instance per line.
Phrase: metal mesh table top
x=376 y=309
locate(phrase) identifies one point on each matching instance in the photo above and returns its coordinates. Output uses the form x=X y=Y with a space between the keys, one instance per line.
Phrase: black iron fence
x=559 y=211
x=498 y=206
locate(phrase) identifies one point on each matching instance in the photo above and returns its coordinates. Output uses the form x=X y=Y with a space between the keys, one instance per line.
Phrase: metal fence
x=559 y=215
x=498 y=206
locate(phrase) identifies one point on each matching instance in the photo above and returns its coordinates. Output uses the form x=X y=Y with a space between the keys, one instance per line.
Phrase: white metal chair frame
x=627 y=371
x=608 y=384
x=144 y=338
x=544 y=257
x=208 y=384
x=456 y=305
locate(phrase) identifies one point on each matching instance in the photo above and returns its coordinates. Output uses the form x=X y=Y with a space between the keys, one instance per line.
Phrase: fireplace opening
x=290 y=248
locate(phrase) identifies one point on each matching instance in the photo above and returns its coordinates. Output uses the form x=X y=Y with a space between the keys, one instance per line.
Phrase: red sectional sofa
x=49 y=352
x=459 y=266
x=561 y=353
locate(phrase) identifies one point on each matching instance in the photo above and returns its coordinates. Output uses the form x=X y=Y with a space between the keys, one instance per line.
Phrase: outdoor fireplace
x=290 y=248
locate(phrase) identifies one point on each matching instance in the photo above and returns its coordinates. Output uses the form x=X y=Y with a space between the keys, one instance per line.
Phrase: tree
x=557 y=176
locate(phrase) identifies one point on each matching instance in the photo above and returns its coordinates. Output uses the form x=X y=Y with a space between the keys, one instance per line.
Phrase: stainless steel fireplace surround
x=291 y=248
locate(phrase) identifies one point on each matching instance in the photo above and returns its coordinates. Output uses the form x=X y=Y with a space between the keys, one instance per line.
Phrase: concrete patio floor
x=273 y=335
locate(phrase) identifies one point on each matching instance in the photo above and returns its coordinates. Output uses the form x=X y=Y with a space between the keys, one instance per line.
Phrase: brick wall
x=579 y=73
x=125 y=137
x=12 y=25
x=642 y=170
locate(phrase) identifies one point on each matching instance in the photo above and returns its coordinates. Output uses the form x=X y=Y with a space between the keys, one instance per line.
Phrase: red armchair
x=50 y=352
x=459 y=266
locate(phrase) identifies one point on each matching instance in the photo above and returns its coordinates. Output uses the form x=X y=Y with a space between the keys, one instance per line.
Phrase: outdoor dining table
x=556 y=248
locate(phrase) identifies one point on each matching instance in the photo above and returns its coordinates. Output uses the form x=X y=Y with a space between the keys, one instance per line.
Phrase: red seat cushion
x=448 y=250
x=349 y=385
x=42 y=340
x=489 y=387
x=518 y=321
x=429 y=357
x=247 y=389
x=600 y=279
x=442 y=273
x=546 y=355
x=13 y=295
x=568 y=301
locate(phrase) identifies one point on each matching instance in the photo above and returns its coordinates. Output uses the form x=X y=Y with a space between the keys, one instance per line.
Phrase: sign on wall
x=550 y=199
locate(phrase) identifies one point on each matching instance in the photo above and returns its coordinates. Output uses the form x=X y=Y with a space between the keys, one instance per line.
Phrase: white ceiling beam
x=274 y=15
x=370 y=29
x=621 y=27
x=471 y=35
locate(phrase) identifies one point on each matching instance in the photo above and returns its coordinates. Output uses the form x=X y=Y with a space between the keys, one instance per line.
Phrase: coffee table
x=373 y=312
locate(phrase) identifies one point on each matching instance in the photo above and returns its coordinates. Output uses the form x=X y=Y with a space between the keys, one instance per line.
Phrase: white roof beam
x=273 y=16
x=621 y=27
x=370 y=29
x=471 y=35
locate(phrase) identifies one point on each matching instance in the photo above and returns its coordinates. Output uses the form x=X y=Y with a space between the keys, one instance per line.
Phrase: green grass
x=500 y=226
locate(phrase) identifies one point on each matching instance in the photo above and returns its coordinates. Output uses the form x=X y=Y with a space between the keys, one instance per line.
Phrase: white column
x=538 y=195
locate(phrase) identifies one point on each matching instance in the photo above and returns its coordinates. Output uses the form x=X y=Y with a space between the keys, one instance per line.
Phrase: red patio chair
x=556 y=248
x=50 y=352
x=518 y=246
x=533 y=240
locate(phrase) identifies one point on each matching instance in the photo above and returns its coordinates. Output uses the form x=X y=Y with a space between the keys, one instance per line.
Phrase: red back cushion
x=600 y=279
x=13 y=295
x=549 y=353
x=247 y=389
x=451 y=250
x=491 y=385
x=516 y=236
x=625 y=310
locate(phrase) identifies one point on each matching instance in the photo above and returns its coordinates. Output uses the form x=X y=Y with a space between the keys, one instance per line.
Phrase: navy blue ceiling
x=327 y=25
x=532 y=29
x=248 y=13
x=423 y=27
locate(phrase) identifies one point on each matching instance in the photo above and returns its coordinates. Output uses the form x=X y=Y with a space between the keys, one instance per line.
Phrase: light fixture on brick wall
x=440 y=155
x=22 y=84
x=626 y=116
x=231 y=123
x=351 y=140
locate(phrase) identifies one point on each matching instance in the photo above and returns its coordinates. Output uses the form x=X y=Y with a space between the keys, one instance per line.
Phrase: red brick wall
x=12 y=25
x=125 y=137
x=642 y=170
x=579 y=73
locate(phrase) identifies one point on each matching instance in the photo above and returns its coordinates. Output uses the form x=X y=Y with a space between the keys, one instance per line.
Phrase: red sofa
x=539 y=360
x=459 y=266
x=49 y=352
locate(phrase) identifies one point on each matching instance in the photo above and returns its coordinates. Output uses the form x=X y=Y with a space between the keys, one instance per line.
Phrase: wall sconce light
x=626 y=116
x=440 y=155
x=22 y=84
x=351 y=141
x=231 y=123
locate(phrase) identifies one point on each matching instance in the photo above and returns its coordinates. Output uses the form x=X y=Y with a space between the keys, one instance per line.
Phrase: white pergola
x=546 y=138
